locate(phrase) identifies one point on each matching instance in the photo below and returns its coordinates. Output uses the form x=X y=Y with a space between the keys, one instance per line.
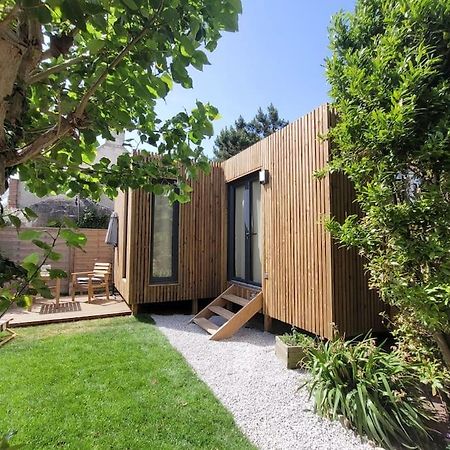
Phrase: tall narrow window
x=125 y=235
x=164 y=240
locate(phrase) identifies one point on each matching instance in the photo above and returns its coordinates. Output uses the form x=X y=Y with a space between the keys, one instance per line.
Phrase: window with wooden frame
x=164 y=245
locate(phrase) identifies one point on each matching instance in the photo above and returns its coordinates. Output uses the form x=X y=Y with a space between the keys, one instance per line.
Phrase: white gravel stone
x=264 y=398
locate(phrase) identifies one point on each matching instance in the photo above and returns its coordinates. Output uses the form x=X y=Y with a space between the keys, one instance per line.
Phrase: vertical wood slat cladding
x=311 y=282
x=297 y=249
x=200 y=272
x=120 y=281
x=296 y=246
x=355 y=307
x=308 y=281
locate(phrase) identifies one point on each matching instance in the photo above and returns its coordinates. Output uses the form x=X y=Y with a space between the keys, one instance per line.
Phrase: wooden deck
x=44 y=311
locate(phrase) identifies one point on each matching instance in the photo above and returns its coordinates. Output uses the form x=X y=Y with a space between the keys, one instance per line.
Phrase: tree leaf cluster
x=232 y=140
x=101 y=67
x=389 y=76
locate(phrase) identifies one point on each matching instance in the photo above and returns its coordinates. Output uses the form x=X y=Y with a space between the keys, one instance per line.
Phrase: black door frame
x=247 y=183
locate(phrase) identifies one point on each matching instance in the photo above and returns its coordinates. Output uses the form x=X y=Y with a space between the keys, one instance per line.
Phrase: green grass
x=107 y=384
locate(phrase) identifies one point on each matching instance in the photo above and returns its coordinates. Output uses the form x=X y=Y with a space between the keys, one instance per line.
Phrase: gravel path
x=264 y=398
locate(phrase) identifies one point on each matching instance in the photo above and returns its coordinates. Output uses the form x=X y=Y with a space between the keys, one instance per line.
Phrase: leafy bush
x=416 y=346
x=375 y=391
x=298 y=339
x=389 y=77
x=93 y=218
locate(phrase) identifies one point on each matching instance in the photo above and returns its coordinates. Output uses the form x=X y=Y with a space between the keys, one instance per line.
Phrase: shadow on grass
x=145 y=318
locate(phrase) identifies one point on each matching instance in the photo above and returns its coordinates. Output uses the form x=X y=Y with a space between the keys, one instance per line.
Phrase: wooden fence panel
x=72 y=260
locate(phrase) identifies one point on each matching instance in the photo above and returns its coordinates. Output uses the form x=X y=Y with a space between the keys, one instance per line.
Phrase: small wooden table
x=57 y=286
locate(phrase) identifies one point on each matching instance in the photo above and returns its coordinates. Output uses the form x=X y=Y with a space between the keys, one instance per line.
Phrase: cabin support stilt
x=267 y=323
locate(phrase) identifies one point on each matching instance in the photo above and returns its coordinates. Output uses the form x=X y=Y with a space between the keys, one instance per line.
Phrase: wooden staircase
x=249 y=301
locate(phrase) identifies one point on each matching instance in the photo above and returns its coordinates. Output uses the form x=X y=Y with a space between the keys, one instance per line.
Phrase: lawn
x=107 y=384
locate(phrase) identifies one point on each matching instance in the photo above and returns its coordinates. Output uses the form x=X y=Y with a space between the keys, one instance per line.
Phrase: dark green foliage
x=105 y=67
x=5 y=442
x=390 y=81
x=242 y=135
x=298 y=338
x=93 y=217
x=375 y=391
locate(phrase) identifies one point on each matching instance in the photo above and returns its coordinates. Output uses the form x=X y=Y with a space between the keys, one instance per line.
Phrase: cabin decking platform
x=45 y=311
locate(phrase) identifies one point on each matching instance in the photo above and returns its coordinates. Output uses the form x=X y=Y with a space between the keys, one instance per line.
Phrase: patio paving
x=45 y=311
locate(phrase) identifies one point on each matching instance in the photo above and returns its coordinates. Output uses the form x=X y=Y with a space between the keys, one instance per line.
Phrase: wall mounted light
x=264 y=176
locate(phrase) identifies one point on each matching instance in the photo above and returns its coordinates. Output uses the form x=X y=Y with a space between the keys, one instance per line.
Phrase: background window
x=164 y=240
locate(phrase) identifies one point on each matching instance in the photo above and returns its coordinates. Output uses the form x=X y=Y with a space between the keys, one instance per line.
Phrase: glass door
x=245 y=231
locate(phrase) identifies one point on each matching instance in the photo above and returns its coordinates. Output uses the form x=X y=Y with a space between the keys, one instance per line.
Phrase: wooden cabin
x=252 y=237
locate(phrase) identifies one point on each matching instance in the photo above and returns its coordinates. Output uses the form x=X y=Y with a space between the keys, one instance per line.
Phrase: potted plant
x=292 y=348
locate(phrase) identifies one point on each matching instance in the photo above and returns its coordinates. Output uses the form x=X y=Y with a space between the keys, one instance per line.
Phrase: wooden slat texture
x=355 y=307
x=200 y=245
x=72 y=260
x=297 y=249
x=307 y=280
x=310 y=282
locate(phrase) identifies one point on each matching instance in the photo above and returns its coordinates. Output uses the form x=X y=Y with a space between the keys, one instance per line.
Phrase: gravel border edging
x=264 y=398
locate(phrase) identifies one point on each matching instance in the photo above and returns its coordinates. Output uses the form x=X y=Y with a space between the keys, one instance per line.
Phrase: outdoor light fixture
x=264 y=176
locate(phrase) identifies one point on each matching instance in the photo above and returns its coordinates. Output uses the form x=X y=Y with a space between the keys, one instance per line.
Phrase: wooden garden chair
x=90 y=282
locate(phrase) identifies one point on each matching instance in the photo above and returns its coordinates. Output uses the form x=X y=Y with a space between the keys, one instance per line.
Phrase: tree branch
x=102 y=77
x=74 y=120
x=42 y=75
x=42 y=142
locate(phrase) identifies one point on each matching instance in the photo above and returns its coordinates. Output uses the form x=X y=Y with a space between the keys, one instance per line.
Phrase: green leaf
x=15 y=220
x=94 y=45
x=54 y=256
x=32 y=258
x=43 y=14
x=57 y=273
x=28 y=235
x=41 y=244
x=167 y=79
x=131 y=4
x=29 y=213
x=186 y=46
x=72 y=238
x=74 y=12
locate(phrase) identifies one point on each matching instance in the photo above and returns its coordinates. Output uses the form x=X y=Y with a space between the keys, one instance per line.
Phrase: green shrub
x=375 y=391
x=93 y=217
x=298 y=339
x=416 y=346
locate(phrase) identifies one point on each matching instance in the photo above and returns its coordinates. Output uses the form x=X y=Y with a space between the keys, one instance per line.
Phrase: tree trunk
x=10 y=60
x=444 y=347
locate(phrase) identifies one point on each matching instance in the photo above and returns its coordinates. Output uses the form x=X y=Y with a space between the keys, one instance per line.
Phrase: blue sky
x=276 y=56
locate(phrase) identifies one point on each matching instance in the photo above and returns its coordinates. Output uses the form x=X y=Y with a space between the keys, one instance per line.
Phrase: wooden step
x=225 y=313
x=230 y=327
x=234 y=321
x=235 y=299
x=207 y=325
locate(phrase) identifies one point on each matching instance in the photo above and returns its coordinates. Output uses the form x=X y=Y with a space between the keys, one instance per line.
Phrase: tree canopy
x=241 y=135
x=390 y=81
x=72 y=70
